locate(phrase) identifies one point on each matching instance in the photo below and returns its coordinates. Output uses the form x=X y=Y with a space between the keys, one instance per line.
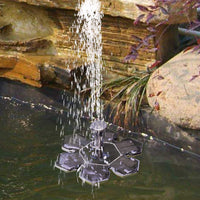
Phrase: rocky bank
x=37 y=42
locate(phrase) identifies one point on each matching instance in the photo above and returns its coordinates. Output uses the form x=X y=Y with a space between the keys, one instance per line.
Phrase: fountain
x=93 y=159
x=87 y=45
x=87 y=29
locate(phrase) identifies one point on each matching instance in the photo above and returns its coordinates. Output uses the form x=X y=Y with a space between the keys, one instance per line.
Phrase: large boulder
x=174 y=90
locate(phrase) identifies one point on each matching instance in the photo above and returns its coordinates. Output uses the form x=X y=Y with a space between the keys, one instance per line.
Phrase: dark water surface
x=29 y=145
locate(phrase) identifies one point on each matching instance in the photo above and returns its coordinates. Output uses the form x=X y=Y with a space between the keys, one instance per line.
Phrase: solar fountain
x=93 y=159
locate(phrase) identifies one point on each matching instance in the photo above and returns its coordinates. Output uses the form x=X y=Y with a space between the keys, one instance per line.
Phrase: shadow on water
x=29 y=145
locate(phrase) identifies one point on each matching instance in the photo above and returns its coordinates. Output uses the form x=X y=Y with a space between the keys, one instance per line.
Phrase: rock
x=37 y=70
x=43 y=36
x=21 y=22
x=122 y=8
x=158 y=126
x=48 y=74
x=56 y=39
x=21 y=69
x=116 y=38
x=7 y=62
x=55 y=75
x=25 y=46
x=63 y=77
x=173 y=90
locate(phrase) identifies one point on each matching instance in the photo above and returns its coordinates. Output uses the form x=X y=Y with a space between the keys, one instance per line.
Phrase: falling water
x=88 y=28
x=87 y=40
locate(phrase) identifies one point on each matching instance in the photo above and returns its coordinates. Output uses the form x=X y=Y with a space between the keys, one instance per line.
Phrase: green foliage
x=129 y=96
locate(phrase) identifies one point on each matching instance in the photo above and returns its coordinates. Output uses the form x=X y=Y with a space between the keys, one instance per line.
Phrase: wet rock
x=48 y=74
x=116 y=38
x=158 y=126
x=173 y=90
x=63 y=77
x=55 y=75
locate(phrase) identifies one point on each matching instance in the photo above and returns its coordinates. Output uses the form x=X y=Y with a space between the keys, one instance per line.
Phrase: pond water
x=29 y=145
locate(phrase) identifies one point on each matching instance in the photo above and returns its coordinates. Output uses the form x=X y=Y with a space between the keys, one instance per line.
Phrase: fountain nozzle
x=98 y=129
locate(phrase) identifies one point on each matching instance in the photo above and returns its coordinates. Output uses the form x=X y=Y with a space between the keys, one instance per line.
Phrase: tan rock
x=21 y=22
x=116 y=40
x=117 y=37
x=8 y=62
x=42 y=36
x=23 y=70
x=25 y=46
x=173 y=90
x=122 y=8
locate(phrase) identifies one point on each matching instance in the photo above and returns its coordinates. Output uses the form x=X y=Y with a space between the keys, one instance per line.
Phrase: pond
x=30 y=144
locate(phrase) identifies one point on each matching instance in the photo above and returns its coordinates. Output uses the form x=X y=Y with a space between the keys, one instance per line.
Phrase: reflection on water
x=29 y=145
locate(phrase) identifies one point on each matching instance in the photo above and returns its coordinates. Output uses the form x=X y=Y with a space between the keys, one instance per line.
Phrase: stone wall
x=121 y=8
x=37 y=35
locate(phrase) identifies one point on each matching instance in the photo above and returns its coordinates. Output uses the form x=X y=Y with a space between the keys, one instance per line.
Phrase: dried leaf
x=148 y=37
x=153 y=7
x=159 y=93
x=160 y=77
x=155 y=64
x=133 y=50
x=198 y=41
x=196 y=48
x=193 y=77
x=188 y=48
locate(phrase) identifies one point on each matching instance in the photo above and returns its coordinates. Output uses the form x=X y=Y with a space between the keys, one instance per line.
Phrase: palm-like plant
x=129 y=96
